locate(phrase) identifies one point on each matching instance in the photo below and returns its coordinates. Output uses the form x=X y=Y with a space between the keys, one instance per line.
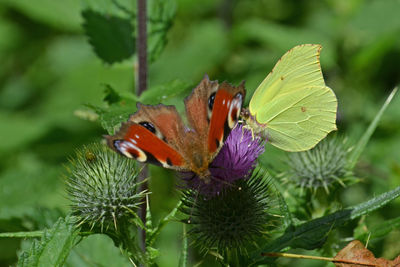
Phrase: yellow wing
x=292 y=107
x=298 y=68
x=298 y=120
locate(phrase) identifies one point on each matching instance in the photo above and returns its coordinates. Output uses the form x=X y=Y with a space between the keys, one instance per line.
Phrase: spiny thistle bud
x=233 y=219
x=103 y=188
x=321 y=167
x=234 y=208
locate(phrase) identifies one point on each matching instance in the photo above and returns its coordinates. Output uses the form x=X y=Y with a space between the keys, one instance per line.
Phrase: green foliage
x=312 y=234
x=111 y=37
x=54 y=247
x=160 y=16
x=111 y=96
x=375 y=232
x=362 y=143
x=112 y=33
x=121 y=106
x=165 y=92
x=96 y=250
x=49 y=74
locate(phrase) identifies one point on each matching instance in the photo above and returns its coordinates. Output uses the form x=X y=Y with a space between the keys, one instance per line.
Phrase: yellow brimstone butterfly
x=293 y=108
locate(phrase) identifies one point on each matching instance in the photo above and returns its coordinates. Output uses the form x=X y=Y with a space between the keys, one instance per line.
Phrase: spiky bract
x=103 y=187
x=237 y=216
x=321 y=167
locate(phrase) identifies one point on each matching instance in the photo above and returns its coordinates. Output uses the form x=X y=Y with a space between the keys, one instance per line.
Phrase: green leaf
x=161 y=13
x=355 y=155
x=123 y=105
x=152 y=254
x=111 y=117
x=111 y=96
x=284 y=209
x=28 y=222
x=111 y=37
x=164 y=92
x=160 y=17
x=377 y=231
x=312 y=234
x=97 y=250
x=54 y=247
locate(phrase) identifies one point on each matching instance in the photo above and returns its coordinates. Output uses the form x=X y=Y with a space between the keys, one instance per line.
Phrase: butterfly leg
x=248 y=127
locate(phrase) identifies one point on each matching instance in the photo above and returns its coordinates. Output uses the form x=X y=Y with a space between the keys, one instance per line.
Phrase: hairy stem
x=141 y=48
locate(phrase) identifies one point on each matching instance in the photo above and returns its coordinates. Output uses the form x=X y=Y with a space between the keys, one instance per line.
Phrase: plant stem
x=141 y=48
x=141 y=45
x=309 y=257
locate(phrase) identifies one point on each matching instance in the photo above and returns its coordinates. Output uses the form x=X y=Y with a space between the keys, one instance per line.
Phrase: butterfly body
x=292 y=108
x=157 y=134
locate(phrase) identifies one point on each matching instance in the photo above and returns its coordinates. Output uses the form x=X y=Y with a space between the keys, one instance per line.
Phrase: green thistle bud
x=321 y=167
x=229 y=221
x=102 y=187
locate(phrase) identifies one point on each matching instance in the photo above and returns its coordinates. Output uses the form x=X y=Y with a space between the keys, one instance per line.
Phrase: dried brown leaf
x=356 y=255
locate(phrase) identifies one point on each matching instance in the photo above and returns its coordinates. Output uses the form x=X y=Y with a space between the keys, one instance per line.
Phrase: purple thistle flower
x=236 y=160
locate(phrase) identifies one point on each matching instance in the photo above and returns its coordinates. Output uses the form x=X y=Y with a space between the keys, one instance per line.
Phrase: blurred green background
x=49 y=71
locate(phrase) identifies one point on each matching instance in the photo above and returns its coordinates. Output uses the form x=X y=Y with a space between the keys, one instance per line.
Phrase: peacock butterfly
x=157 y=134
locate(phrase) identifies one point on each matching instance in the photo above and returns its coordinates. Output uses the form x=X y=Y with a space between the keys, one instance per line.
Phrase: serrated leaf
x=161 y=14
x=32 y=219
x=152 y=253
x=111 y=117
x=54 y=247
x=97 y=250
x=111 y=37
x=284 y=209
x=111 y=96
x=312 y=234
x=164 y=92
x=122 y=106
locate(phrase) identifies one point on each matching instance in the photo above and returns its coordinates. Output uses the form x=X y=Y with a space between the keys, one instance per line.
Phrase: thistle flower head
x=321 y=167
x=102 y=187
x=233 y=219
x=236 y=160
